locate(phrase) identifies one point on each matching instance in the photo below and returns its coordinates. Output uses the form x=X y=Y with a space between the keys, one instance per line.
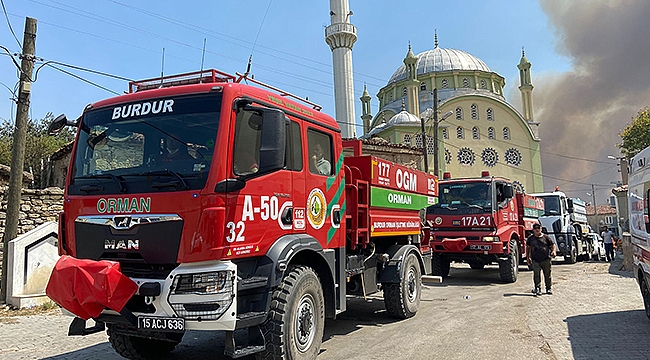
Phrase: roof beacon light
x=446 y=175
x=485 y=173
x=557 y=188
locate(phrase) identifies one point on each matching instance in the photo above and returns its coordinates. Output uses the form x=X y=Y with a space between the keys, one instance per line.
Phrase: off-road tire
x=477 y=266
x=645 y=293
x=294 y=327
x=403 y=300
x=509 y=268
x=139 y=348
x=440 y=265
x=573 y=258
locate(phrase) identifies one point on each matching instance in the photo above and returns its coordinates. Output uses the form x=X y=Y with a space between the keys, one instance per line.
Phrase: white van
x=638 y=195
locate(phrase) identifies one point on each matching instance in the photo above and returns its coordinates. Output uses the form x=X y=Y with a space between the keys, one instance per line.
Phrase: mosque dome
x=403 y=118
x=440 y=59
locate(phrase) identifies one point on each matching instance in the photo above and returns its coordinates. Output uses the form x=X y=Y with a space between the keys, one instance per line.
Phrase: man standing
x=609 y=244
x=540 y=249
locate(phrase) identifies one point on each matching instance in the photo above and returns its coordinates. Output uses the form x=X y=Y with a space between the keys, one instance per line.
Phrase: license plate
x=161 y=323
x=480 y=247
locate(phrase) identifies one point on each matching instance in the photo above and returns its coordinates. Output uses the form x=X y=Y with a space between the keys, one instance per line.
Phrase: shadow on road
x=615 y=335
x=462 y=275
x=359 y=313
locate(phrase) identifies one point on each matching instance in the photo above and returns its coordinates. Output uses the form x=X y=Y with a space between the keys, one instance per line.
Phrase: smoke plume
x=582 y=111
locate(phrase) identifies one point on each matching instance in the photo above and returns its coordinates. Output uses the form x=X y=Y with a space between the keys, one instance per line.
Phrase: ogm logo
x=316 y=206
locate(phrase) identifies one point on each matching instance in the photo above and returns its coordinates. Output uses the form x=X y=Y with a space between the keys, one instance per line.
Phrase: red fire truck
x=481 y=221
x=198 y=202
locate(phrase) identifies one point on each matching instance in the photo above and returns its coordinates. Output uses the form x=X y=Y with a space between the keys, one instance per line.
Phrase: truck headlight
x=560 y=238
x=201 y=284
x=491 y=239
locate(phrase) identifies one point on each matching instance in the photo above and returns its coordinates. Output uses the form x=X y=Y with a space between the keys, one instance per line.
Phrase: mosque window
x=506 y=133
x=423 y=86
x=391 y=96
x=490 y=157
x=404 y=91
x=466 y=156
x=418 y=141
x=445 y=134
x=491 y=133
x=490 y=114
x=430 y=145
x=407 y=139
x=459 y=113
x=444 y=83
x=513 y=157
x=475 y=133
x=465 y=82
x=483 y=85
x=459 y=133
x=474 y=109
x=447 y=156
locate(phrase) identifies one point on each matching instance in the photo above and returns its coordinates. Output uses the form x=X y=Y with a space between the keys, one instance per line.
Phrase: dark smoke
x=582 y=111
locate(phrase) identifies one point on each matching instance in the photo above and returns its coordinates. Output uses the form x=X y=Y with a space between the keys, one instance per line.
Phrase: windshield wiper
x=166 y=172
x=117 y=179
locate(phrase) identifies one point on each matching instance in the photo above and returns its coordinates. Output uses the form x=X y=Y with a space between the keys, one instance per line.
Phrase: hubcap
x=305 y=323
x=411 y=285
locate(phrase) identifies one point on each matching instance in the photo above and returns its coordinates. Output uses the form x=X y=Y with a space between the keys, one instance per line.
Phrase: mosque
x=481 y=131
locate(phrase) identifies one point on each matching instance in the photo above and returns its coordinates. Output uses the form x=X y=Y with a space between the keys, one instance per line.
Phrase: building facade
x=481 y=130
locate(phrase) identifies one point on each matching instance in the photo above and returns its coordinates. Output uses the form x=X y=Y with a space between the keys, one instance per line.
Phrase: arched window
x=423 y=86
x=475 y=133
x=483 y=85
x=506 y=133
x=491 y=135
x=465 y=82
x=490 y=114
x=459 y=113
x=459 y=133
x=430 y=145
x=391 y=96
x=407 y=139
x=418 y=141
x=474 y=109
x=445 y=134
x=444 y=83
x=404 y=91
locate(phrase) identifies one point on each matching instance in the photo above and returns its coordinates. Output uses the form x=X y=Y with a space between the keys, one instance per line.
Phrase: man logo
x=122 y=222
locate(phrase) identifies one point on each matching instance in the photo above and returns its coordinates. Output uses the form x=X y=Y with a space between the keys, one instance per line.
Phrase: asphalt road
x=596 y=312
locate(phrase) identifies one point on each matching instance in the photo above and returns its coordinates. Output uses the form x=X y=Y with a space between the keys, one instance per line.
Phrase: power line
x=4 y=9
x=80 y=68
x=82 y=79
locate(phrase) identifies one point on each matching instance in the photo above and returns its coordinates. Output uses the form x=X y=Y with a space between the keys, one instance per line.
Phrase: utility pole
x=424 y=147
x=593 y=197
x=18 y=148
x=624 y=173
x=435 y=133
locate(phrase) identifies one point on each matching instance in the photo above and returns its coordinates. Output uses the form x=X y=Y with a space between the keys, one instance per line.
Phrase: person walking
x=540 y=249
x=609 y=243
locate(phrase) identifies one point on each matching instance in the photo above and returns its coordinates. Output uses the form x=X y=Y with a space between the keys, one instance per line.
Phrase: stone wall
x=36 y=208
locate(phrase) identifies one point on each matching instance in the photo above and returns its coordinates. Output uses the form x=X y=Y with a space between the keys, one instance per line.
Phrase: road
x=596 y=312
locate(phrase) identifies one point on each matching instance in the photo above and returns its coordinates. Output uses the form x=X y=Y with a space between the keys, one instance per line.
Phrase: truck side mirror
x=59 y=123
x=273 y=142
x=508 y=191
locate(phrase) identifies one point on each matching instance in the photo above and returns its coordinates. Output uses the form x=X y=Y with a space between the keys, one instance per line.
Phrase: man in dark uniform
x=540 y=249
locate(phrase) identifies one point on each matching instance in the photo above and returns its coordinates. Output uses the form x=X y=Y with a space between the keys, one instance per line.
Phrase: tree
x=636 y=136
x=39 y=145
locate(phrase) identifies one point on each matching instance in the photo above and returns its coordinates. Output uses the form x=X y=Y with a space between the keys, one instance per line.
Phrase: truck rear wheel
x=294 y=328
x=509 y=268
x=440 y=265
x=403 y=300
x=139 y=348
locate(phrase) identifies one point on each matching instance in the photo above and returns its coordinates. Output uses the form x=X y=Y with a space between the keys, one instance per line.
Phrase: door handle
x=287 y=216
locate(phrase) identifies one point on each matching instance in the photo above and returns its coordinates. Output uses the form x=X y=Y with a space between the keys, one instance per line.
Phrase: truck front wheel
x=440 y=265
x=403 y=300
x=509 y=268
x=573 y=258
x=294 y=328
x=139 y=348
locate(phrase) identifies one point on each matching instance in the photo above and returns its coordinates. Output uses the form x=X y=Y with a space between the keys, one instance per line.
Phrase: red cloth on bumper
x=454 y=245
x=86 y=287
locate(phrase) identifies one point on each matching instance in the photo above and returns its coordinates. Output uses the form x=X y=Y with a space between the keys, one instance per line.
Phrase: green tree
x=636 y=136
x=39 y=146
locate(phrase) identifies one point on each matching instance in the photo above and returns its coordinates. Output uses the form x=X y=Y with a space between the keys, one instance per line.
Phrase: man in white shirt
x=318 y=162
x=609 y=243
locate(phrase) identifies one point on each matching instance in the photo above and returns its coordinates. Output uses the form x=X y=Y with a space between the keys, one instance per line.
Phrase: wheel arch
x=393 y=271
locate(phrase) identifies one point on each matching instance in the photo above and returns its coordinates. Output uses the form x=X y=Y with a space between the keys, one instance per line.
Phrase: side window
x=320 y=152
x=246 y=149
x=294 y=147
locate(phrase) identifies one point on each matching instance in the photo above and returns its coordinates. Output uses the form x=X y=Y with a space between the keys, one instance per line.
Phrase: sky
x=589 y=58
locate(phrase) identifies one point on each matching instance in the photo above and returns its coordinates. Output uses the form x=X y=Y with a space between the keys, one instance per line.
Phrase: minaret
x=526 y=89
x=365 y=110
x=341 y=36
x=410 y=61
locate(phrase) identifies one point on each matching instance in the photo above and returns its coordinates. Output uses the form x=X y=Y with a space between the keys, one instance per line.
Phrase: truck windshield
x=551 y=205
x=162 y=144
x=463 y=198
